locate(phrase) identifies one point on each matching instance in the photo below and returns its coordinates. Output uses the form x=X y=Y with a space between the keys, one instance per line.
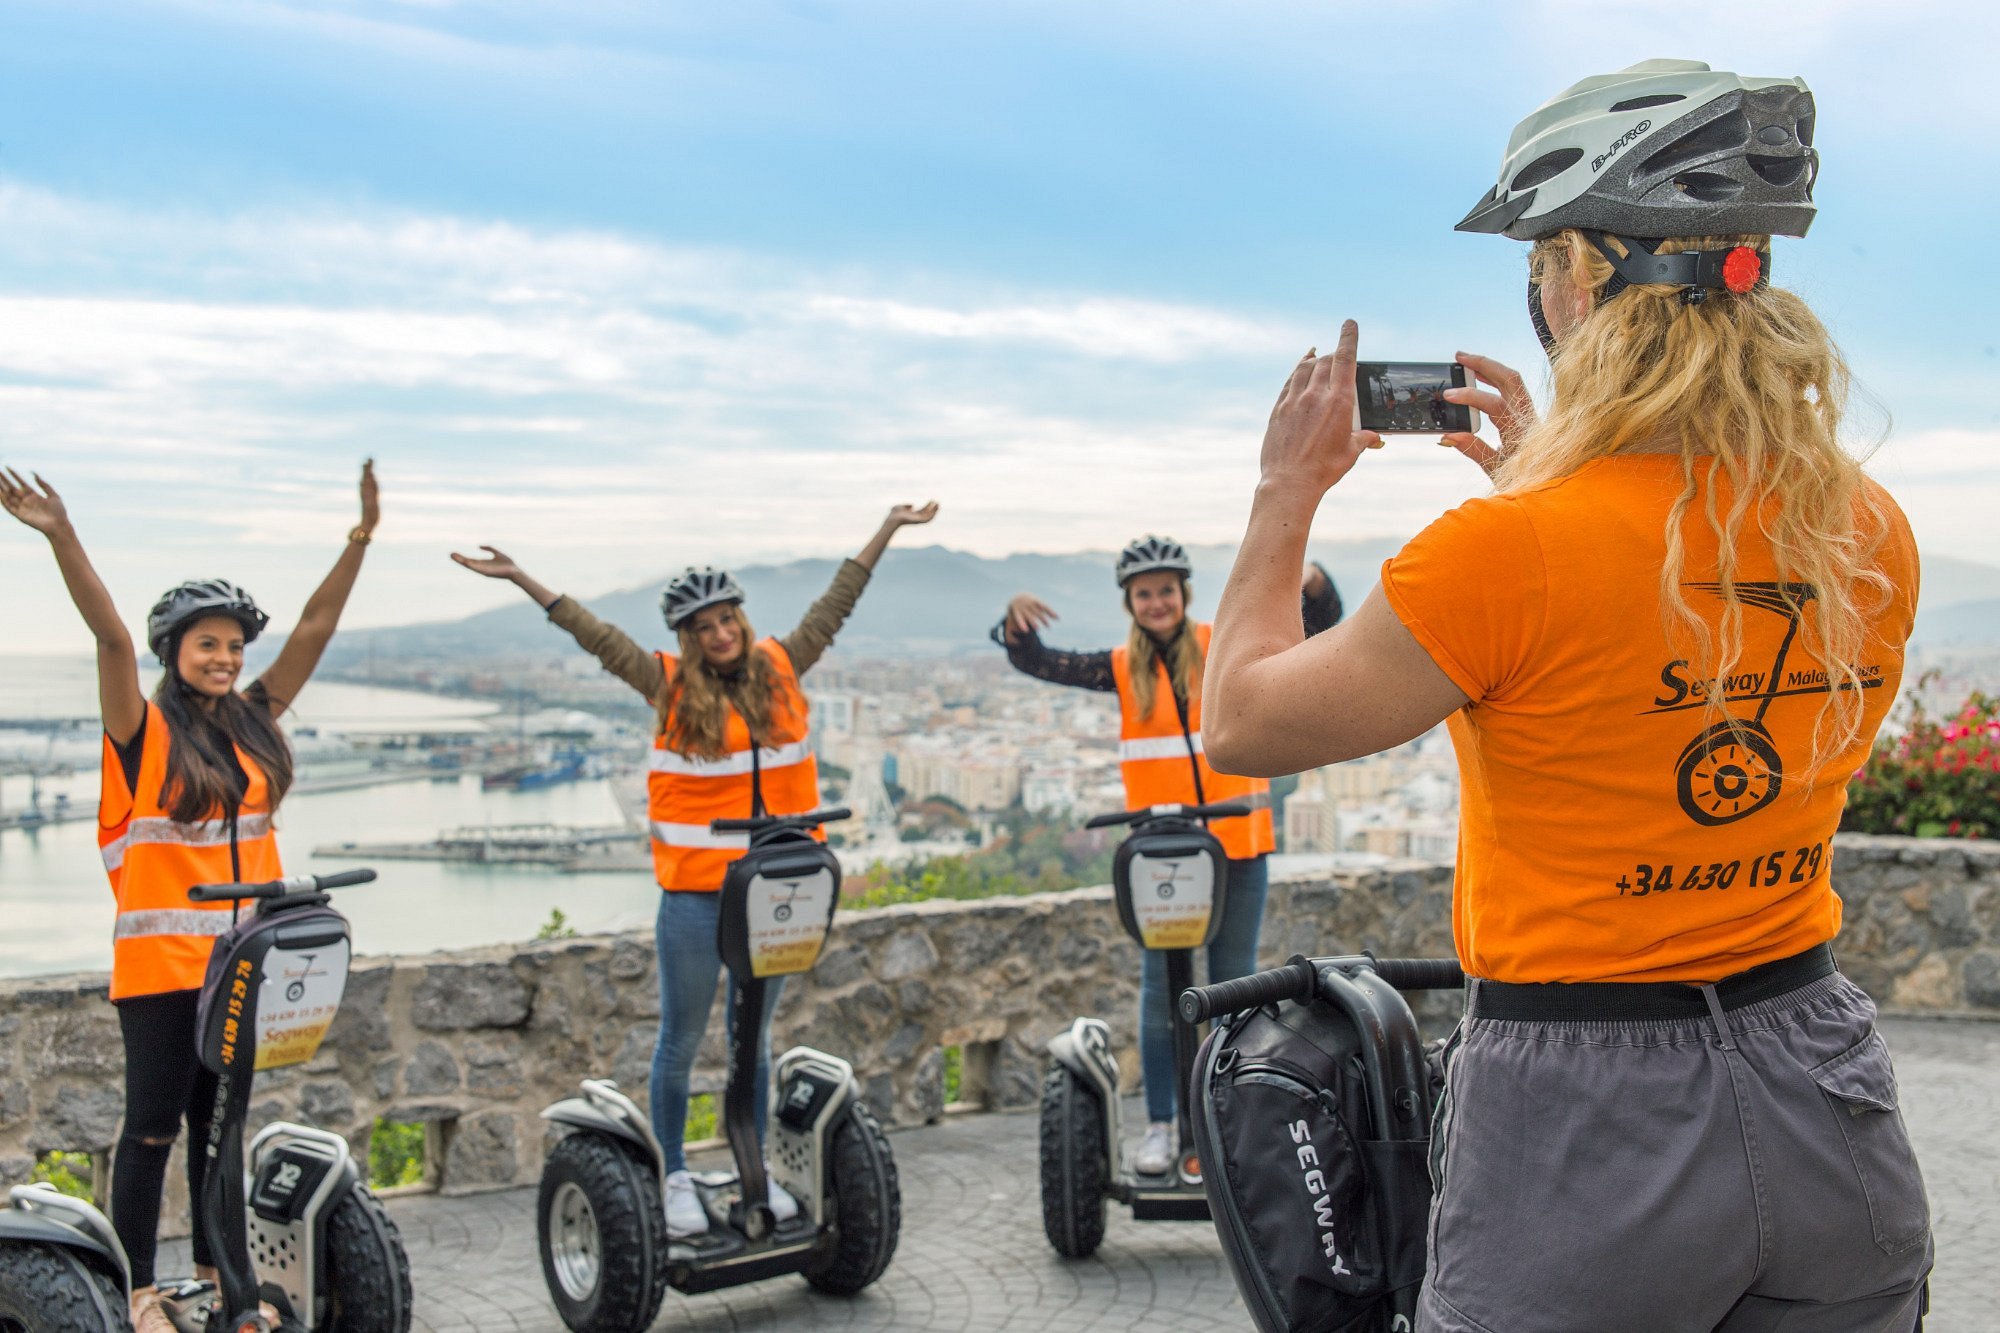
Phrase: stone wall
x=476 y=1042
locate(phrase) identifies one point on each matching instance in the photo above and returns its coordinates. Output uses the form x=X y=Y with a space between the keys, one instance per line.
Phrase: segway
x=299 y=1230
x=1312 y=1105
x=601 y=1215
x=1169 y=879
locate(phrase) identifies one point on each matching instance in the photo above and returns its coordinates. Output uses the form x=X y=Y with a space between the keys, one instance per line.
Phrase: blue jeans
x=1232 y=954
x=684 y=936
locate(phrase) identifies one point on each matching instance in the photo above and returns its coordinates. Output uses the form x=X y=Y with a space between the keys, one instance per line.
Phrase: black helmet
x=1150 y=553
x=191 y=601
x=1665 y=148
x=692 y=589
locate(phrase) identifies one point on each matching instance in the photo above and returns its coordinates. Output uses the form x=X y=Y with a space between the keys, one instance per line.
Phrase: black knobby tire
x=622 y=1188
x=867 y=1208
x=1072 y=1164
x=368 y=1274
x=55 y=1289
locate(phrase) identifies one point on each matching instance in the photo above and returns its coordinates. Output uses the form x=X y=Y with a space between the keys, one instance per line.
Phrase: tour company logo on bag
x=1172 y=898
x=297 y=1002
x=787 y=921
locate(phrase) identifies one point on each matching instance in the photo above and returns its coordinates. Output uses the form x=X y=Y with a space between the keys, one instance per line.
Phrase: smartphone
x=1407 y=398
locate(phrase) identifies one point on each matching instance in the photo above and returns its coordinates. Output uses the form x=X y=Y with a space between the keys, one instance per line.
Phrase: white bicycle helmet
x=692 y=589
x=1150 y=553
x=182 y=606
x=1665 y=148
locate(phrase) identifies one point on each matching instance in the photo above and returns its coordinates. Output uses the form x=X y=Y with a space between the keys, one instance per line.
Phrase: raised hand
x=910 y=515
x=1028 y=613
x=371 y=503
x=1507 y=405
x=41 y=509
x=497 y=565
x=1311 y=442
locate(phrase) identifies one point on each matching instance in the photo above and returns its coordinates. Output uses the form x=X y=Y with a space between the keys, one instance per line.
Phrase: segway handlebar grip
x=1421 y=973
x=343 y=879
x=757 y=823
x=1296 y=980
x=1111 y=817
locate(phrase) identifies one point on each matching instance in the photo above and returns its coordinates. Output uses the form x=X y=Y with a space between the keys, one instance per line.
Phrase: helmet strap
x=1540 y=320
x=1695 y=272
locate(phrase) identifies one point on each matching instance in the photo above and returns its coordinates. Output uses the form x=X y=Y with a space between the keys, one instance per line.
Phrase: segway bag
x=777 y=907
x=1169 y=880
x=274 y=982
x=1321 y=1210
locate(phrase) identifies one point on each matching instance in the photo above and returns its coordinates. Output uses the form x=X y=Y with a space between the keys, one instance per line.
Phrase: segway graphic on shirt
x=1733 y=768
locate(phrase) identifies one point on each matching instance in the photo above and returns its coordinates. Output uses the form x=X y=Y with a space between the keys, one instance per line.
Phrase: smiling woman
x=191 y=780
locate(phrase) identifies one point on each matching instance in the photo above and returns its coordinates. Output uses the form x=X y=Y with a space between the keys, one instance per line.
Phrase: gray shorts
x=1641 y=1175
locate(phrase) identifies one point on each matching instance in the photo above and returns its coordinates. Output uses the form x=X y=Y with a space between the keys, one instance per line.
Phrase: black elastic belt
x=1560 y=1001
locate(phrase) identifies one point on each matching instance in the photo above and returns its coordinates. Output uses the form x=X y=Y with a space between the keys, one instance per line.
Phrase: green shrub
x=1935 y=779
x=71 y=1172
x=954 y=1073
x=396 y=1154
x=1025 y=856
x=701 y=1121
x=557 y=927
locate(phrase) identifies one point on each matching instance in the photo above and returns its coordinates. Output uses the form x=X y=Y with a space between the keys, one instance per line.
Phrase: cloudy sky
x=620 y=286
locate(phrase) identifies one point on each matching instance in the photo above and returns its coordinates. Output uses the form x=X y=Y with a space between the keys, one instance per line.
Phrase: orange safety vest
x=1163 y=763
x=162 y=941
x=683 y=793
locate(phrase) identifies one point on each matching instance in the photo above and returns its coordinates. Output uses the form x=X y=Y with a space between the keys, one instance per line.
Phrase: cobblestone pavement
x=973 y=1256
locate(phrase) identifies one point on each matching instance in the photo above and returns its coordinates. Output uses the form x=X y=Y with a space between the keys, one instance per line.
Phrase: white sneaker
x=685 y=1215
x=1156 y=1155
x=783 y=1206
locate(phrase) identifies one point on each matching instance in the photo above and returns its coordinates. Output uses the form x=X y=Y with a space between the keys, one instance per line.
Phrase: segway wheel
x=368 y=1274
x=602 y=1229
x=53 y=1289
x=1073 y=1156
x=867 y=1212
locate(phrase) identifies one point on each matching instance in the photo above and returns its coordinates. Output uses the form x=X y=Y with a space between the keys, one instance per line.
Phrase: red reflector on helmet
x=1741 y=269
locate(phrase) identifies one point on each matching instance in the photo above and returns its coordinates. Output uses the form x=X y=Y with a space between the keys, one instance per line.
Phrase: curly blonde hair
x=694 y=710
x=1754 y=382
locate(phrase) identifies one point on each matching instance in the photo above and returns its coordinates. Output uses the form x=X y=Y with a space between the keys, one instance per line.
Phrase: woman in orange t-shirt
x=1663 y=645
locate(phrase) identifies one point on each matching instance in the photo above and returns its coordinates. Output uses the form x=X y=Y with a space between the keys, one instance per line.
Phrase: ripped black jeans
x=165 y=1083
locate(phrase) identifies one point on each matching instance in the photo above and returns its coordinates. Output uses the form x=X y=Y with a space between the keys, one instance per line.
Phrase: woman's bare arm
x=119 y=699
x=285 y=677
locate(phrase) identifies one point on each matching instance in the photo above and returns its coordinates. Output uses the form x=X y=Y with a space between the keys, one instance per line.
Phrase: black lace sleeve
x=1086 y=671
x=1321 y=611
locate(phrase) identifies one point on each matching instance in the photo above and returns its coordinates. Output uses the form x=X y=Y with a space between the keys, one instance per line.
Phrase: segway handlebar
x=1298 y=980
x=758 y=823
x=1421 y=973
x=278 y=888
x=1218 y=810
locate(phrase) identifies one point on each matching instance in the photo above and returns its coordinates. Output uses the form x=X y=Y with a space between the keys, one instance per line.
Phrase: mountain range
x=931 y=599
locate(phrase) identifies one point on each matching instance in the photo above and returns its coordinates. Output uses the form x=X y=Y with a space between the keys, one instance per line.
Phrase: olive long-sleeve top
x=637 y=667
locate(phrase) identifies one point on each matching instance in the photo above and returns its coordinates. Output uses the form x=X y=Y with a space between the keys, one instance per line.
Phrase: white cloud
x=204 y=387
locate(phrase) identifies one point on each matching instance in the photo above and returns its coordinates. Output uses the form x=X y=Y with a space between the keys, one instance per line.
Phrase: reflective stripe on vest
x=161 y=941
x=171 y=921
x=1160 y=747
x=1163 y=762
x=685 y=792
x=158 y=830
x=731 y=765
x=697 y=835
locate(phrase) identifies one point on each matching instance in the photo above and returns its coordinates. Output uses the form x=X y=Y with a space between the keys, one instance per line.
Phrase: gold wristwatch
x=360 y=535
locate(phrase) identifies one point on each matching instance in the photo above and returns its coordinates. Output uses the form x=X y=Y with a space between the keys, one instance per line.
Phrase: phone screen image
x=1407 y=397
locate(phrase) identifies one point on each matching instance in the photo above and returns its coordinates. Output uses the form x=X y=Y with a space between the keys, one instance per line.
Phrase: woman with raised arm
x=1156 y=674
x=1663 y=645
x=192 y=778
x=725 y=697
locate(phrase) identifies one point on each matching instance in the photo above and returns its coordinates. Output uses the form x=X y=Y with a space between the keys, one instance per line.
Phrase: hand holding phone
x=1407 y=398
